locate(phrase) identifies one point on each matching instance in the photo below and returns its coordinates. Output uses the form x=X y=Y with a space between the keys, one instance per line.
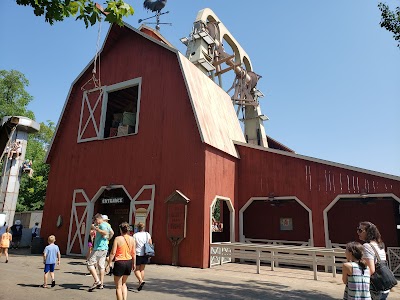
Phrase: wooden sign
x=176 y=221
x=176 y=226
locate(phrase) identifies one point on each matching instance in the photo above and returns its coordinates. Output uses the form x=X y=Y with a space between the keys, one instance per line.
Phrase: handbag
x=383 y=278
x=149 y=248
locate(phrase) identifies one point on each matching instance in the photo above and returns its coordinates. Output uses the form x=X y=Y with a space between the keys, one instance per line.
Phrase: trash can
x=37 y=245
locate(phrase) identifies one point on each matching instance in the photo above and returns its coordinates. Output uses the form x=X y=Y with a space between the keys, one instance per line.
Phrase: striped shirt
x=357 y=286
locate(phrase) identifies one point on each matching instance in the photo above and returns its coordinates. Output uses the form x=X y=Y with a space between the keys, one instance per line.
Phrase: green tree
x=86 y=10
x=390 y=20
x=13 y=101
x=13 y=96
x=33 y=190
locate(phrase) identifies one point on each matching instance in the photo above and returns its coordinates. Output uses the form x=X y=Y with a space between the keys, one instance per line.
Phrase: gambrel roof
x=212 y=107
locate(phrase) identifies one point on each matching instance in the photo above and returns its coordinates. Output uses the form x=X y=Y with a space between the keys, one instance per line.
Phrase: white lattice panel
x=394 y=260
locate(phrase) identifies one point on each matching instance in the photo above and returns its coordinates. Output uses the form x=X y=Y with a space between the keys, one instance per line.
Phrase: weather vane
x=155 y=6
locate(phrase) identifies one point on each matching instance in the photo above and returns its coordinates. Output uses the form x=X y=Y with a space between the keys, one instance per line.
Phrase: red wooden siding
x=262 y=221
x=345 y=216
x=167 y=151
x=263 y=172
x=220 y=180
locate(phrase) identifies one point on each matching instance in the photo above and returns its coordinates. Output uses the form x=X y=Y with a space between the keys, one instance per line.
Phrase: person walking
x=123 y=251
x=99 y=253
x=355 y=273
x=5 y=241
x=51 y=256
x=141 y=237
x=17 y=233
x=35 y=230
x=369 y=233
x=109 y=237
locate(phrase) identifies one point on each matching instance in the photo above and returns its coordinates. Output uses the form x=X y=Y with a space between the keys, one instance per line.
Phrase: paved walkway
x=23 y=274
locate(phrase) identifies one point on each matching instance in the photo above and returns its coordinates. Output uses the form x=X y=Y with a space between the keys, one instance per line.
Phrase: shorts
x=97 y=257
x=142 y=260
x=49 y=267
x=122 y=267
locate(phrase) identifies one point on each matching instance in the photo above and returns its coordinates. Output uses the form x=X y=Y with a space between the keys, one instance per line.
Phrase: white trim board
x=231 y=216
x=321 y=161
x=349 y=196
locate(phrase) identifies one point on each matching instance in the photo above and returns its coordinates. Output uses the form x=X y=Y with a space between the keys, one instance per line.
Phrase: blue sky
x=331 y=75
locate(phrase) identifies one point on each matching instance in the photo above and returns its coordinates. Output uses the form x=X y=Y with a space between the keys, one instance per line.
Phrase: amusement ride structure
x=205 y=48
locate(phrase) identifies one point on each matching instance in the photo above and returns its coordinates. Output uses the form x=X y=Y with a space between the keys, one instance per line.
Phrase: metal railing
x=332 y=259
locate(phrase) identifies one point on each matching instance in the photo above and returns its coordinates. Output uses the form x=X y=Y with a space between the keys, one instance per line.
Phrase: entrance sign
x=176 y=221
x=112 y=200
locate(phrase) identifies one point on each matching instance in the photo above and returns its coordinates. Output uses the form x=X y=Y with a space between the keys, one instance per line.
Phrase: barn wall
x=315 y=184
x=263 y=221
x=345 y=216
x=167 y=151
x=220 y=180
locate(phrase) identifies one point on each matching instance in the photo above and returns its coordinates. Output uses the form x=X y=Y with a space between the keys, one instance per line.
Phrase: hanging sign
x=286 y=224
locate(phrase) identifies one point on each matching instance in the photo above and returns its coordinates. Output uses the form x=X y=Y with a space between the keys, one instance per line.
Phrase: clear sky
x=331 y=75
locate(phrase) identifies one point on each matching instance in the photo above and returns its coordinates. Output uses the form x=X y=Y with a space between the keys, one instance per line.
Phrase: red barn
x=156 y=128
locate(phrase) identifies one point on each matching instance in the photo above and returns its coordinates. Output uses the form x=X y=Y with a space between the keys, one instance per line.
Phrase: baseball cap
x=105 y=217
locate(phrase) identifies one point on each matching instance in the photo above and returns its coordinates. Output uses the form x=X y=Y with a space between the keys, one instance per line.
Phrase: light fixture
x=263 y=117
x=363 y=194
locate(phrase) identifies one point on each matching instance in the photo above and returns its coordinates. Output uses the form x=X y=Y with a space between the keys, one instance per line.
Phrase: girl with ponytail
x=356 y=274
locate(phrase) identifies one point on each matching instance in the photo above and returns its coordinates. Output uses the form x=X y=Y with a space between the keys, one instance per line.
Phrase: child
x=51 y=254
x=6 y=238
x=356 y=274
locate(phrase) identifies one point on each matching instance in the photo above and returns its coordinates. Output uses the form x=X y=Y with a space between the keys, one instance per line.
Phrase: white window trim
x=106 y=90
x=231 y=215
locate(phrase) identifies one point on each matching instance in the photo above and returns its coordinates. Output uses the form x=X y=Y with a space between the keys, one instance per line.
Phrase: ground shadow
x=77 y=263
x=77 y=273
x=218 y=290
x=29 y=285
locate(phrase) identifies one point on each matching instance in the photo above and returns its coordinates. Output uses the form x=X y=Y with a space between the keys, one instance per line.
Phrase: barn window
x=122 y=109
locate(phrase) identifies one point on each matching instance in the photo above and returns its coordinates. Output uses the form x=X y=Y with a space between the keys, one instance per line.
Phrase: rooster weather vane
x=155 y=6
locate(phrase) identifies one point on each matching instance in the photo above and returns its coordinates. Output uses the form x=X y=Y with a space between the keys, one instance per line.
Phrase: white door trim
x=78 y=223
x=252 y=199
x=348 y=196
x=231 y=215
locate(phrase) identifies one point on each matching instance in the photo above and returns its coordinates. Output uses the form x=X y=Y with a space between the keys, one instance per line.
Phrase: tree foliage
x=86 y=10
x=13 y=102
x=13 y=96
x=390 y=20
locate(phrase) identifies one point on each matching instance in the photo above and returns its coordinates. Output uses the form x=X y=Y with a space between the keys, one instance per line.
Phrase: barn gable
x=216 y=119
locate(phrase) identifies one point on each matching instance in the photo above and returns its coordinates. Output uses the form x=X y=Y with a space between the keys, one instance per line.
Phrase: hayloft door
x=79 y=223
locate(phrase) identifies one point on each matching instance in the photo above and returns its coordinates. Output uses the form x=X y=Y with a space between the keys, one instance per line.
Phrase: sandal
x=141 y=286
x=43 y=286
x=95 y=285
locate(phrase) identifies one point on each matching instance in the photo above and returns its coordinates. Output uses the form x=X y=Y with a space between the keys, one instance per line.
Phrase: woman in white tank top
x=141 y=237
x=370 y=234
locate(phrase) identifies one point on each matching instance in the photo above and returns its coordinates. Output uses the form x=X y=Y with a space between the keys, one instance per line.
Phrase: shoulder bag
x=149 y=248
x=383 y=278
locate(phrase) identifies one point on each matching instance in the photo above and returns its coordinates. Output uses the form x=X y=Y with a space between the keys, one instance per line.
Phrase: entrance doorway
x=345 y=212
x=114 y=203
x=222 y=218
